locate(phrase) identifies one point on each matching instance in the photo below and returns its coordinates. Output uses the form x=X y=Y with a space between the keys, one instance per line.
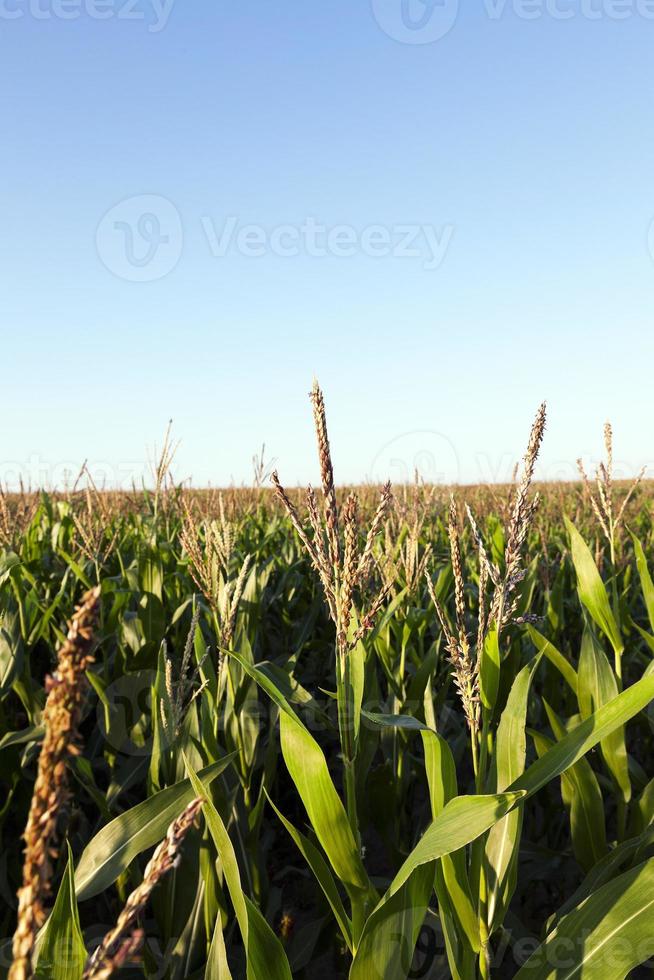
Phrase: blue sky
x=164 y=167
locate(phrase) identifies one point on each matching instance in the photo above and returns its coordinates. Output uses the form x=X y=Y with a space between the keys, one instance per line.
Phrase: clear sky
x=443 y=214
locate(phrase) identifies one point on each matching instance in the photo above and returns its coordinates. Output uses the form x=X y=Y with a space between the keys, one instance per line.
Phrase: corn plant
x=347 y=732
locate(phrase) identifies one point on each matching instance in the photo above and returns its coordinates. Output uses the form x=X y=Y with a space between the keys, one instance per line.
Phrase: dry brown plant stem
x=61 y=720
x=466 y=661
x=343 y=567
x=603 y=504
x=123 y=941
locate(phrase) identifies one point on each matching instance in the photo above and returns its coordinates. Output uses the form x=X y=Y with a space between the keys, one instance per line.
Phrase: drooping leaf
x=462 y=820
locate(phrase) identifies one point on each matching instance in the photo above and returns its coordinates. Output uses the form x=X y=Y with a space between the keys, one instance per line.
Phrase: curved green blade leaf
x=320 y=868
x=585 y=736
x=645 y=578
x=462 y=820
x=555 y=657
x=591 y=588
x=307 y=767
x=456 y=906
x=510 y=755
x=603 y=938
x=583 y=800
x=118 y=843
x=606 y=870
x=390 y=934
x=465 y=818
x=62 y=953
x=266 y=959
x=598 y=686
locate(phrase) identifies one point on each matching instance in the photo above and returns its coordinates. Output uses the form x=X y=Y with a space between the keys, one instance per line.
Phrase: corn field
x=371 y=732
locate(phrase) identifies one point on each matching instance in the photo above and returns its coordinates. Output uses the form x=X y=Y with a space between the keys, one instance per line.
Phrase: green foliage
x=62 y=952
x=348 y=828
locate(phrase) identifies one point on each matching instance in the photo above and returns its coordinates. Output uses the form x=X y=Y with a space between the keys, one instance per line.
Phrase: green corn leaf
x=649 y=640
x=607 y=869
x=266 y=959
x=62 y=953
x=645 y=578
x=465 y=818
x=319 y=866
x=12 y=651
x=407 y=722
x=591 y=588
x=353 y=679
x=585 y=736
x=510 y=754
x=452 y=883
x=461 y=821
x=190 y=947
x=441 y=771
x=545 y=646
x=461 y=957
x=8 y=561
x=32 y=734
x=598 y=686
x=489 y=671
x=161 y=705
x=118 y=843
x=644 y=810
x=583 y=800
x=605 y=937
x=390 y=934
x=77 y=570
x=307 y=767
x=217 y=965
x=291 y=689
